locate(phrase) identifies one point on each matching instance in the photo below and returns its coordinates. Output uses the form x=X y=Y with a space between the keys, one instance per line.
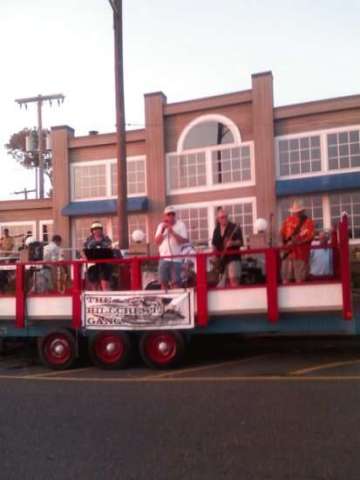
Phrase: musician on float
x=170 y=235
x=99 y=275
x=297 y=232
x=227 y=237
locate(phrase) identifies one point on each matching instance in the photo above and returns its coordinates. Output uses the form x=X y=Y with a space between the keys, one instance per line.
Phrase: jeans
x=169 y=271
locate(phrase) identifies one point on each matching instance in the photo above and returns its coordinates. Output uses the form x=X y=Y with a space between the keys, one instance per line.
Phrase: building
x=235 y=150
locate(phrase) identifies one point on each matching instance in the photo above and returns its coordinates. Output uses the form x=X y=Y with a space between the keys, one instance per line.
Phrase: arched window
x=209 y=155
x=208 y=134
x=208 y=131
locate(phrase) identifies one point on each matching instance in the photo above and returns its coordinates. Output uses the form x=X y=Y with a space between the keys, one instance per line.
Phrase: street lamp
x=116 y=6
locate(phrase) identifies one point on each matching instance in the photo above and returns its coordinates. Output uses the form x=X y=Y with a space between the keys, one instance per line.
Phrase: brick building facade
x=235 y=150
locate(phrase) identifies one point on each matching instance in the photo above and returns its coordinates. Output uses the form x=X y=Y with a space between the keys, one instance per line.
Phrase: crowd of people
x=298 y=260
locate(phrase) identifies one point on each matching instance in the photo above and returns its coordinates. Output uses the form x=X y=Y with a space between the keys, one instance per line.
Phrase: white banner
x=138 y=310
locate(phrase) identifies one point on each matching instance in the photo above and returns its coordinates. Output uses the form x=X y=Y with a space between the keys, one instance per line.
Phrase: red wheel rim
x=109 y=349
x=57 y=349
x=161 y=348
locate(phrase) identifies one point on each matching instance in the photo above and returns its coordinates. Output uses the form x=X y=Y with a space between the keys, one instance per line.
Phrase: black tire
x=110 y=350
x=162 y=350
x=57 y=349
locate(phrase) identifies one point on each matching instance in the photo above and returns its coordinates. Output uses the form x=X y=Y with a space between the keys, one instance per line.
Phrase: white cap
x=169 y=209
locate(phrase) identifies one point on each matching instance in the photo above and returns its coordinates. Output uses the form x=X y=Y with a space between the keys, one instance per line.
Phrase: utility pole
x=39 y=101
x=116 y=6
x=24 y=192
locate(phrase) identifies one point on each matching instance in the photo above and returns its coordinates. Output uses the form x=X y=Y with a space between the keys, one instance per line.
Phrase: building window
x=196 y=221
x=242 y=214
x=343 y=149
x=299 y=156
x=231 y=165
x=313 y=209
x=46 y=231
x=90 y=181
x=206 y=134
x=136 y=181
x=200 y=219
x=187 y=170
x=135 y=222
x=349 y=203
x=21 y=228
x=210 y=156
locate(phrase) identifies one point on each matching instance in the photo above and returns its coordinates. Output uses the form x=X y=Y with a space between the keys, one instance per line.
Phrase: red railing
x=132 y=278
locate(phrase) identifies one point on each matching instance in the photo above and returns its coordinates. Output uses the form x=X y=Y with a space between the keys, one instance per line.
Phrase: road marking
x=56 y=373
x=176 y=373
x=232 y=379
x=324 y=366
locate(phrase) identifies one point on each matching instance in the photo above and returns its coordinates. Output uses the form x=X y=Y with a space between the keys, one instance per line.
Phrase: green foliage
x=16 y=148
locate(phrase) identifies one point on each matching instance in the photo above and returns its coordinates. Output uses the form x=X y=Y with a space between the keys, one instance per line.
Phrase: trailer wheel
x=162 y=349
x=57 y=349
x=110 y=350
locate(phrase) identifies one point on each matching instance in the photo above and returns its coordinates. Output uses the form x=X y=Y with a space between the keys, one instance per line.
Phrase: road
x=264 y=409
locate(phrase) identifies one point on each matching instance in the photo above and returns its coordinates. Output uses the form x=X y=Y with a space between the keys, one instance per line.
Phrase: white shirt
x=170 y=246
x=53 y=252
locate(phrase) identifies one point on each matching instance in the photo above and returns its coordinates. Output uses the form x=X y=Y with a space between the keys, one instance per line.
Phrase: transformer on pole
x=39 y=102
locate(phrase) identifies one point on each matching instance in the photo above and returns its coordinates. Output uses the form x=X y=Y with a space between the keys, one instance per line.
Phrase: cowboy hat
x=297 y=207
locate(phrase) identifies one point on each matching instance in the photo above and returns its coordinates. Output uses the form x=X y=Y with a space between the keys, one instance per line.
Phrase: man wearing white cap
x=170 y=235
x=297 y=233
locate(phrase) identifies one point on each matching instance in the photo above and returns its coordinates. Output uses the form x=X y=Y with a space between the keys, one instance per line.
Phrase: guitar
x=218 y=261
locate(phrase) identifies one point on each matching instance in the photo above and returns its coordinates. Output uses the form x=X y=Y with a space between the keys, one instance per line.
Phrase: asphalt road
x=272 y=410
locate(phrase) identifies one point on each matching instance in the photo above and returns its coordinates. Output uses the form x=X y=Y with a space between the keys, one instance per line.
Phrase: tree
x=23 y=146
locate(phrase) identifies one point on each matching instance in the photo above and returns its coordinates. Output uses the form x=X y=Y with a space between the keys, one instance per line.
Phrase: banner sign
x=138 y=310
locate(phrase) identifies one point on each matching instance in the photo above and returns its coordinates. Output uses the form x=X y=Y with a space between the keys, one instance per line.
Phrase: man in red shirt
x=297 y=232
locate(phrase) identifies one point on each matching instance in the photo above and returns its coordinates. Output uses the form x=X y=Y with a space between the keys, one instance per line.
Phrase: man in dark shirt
x=227 y=236
x=99 y=274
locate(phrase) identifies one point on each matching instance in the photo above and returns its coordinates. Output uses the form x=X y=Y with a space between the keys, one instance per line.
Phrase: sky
x=185 y=48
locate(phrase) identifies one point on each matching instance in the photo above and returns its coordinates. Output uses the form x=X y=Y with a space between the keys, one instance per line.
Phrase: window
x=135 y=177
x=242 y=214
x=200 y=219
x=343 y=149
x=206 y=134
x=313 y=207
x=20 y=228
x=299 y=155
x=135 y=222
x=196 y=221
x=210 y=156
x=349 y=203
x=98 y=179
x=90 y=181
x=46 y=231
x=231 y=165
x=187 y=170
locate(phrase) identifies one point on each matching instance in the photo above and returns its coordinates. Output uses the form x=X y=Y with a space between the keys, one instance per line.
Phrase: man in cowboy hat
x=297 y=233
